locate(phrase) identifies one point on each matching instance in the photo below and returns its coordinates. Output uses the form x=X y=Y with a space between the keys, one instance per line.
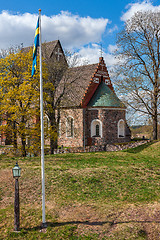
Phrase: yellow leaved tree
x=19 y=100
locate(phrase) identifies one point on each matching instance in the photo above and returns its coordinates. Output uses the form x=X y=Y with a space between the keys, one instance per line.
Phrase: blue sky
x=92 y=8
x=80 y=25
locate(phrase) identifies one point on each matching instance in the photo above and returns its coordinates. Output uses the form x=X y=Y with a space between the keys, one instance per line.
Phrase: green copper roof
x=105 y=97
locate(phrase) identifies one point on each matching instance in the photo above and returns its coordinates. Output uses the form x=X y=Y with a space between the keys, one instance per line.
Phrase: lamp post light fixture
x=16 y=174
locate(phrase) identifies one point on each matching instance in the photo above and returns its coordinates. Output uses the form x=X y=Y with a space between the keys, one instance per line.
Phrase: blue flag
x=36 y=44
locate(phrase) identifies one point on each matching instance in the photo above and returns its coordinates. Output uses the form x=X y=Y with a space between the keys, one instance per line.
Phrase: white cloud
x=91 y=54
x=16 y=29
x=72 y=30
x=135 y=7
x=112 y=48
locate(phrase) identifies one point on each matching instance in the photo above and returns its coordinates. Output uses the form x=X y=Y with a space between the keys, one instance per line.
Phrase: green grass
x=102 y=195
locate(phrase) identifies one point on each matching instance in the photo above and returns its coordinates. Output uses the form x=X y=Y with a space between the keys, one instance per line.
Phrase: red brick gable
x=100 y=74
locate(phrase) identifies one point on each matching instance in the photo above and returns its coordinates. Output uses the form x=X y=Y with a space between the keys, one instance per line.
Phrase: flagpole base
x=44 y=225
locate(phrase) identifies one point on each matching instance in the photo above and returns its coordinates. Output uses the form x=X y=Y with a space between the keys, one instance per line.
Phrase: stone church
x=90 y=113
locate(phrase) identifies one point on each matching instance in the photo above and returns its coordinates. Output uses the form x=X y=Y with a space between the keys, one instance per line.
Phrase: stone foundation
x=108 y=147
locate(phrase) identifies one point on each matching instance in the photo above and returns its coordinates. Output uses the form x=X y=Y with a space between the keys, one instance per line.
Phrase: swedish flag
x=36 y=44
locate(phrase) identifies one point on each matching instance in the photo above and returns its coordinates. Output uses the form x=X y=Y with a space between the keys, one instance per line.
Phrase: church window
x=96 y=80
x=107 y=81
x=59 y=130
x=96 y=128
x=121 y=128
x=59 y=54
x=69 y=127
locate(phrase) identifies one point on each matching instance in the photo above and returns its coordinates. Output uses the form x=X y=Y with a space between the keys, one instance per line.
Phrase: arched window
x=121 y=128
x=59 y=129
x=96 y=128
x=69 y=127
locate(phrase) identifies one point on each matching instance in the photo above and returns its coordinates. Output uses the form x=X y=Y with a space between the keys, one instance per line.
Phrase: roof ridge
x=50 y=41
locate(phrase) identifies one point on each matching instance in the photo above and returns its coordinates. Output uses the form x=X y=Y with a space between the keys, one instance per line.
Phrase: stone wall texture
x=107 y=148
x=109 y=119
x=77 y=139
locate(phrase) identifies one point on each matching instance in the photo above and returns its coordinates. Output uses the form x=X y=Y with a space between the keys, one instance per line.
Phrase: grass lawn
x=104 y=195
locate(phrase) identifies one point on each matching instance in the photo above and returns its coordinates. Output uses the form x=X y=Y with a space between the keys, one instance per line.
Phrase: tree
x=56 y=85
x=55 y=70
x=139 y=69
x=19 y=102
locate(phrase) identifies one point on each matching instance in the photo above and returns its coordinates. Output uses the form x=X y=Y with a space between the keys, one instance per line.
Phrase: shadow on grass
x=97 y=223
x=139 y=148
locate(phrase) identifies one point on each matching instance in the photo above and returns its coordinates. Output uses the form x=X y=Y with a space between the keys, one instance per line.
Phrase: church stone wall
x=77 y=139
x=109 y=119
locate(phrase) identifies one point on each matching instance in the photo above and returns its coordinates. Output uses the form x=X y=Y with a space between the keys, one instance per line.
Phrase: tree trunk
x=53 y=145
x=23 y=137
x=23 y=141
x=155 y=128
x=53 y=136
x=154 y=117
x=14 y=136
x=8 y=133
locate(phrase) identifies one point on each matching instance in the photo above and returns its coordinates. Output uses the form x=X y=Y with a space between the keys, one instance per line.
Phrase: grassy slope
x=109 y=195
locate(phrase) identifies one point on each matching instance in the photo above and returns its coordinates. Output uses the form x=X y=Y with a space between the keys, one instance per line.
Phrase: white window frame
x=93 y=127
x=107 y=81
x=96 y=80
x=59 y=129
x=121 y=134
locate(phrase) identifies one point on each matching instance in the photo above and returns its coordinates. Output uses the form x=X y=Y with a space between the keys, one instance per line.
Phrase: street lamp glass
x=16 y=171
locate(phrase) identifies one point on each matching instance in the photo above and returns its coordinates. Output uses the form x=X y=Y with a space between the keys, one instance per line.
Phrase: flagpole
x=42 y=127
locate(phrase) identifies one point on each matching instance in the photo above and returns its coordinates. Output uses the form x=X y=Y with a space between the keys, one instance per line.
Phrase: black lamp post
x=16 y=174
